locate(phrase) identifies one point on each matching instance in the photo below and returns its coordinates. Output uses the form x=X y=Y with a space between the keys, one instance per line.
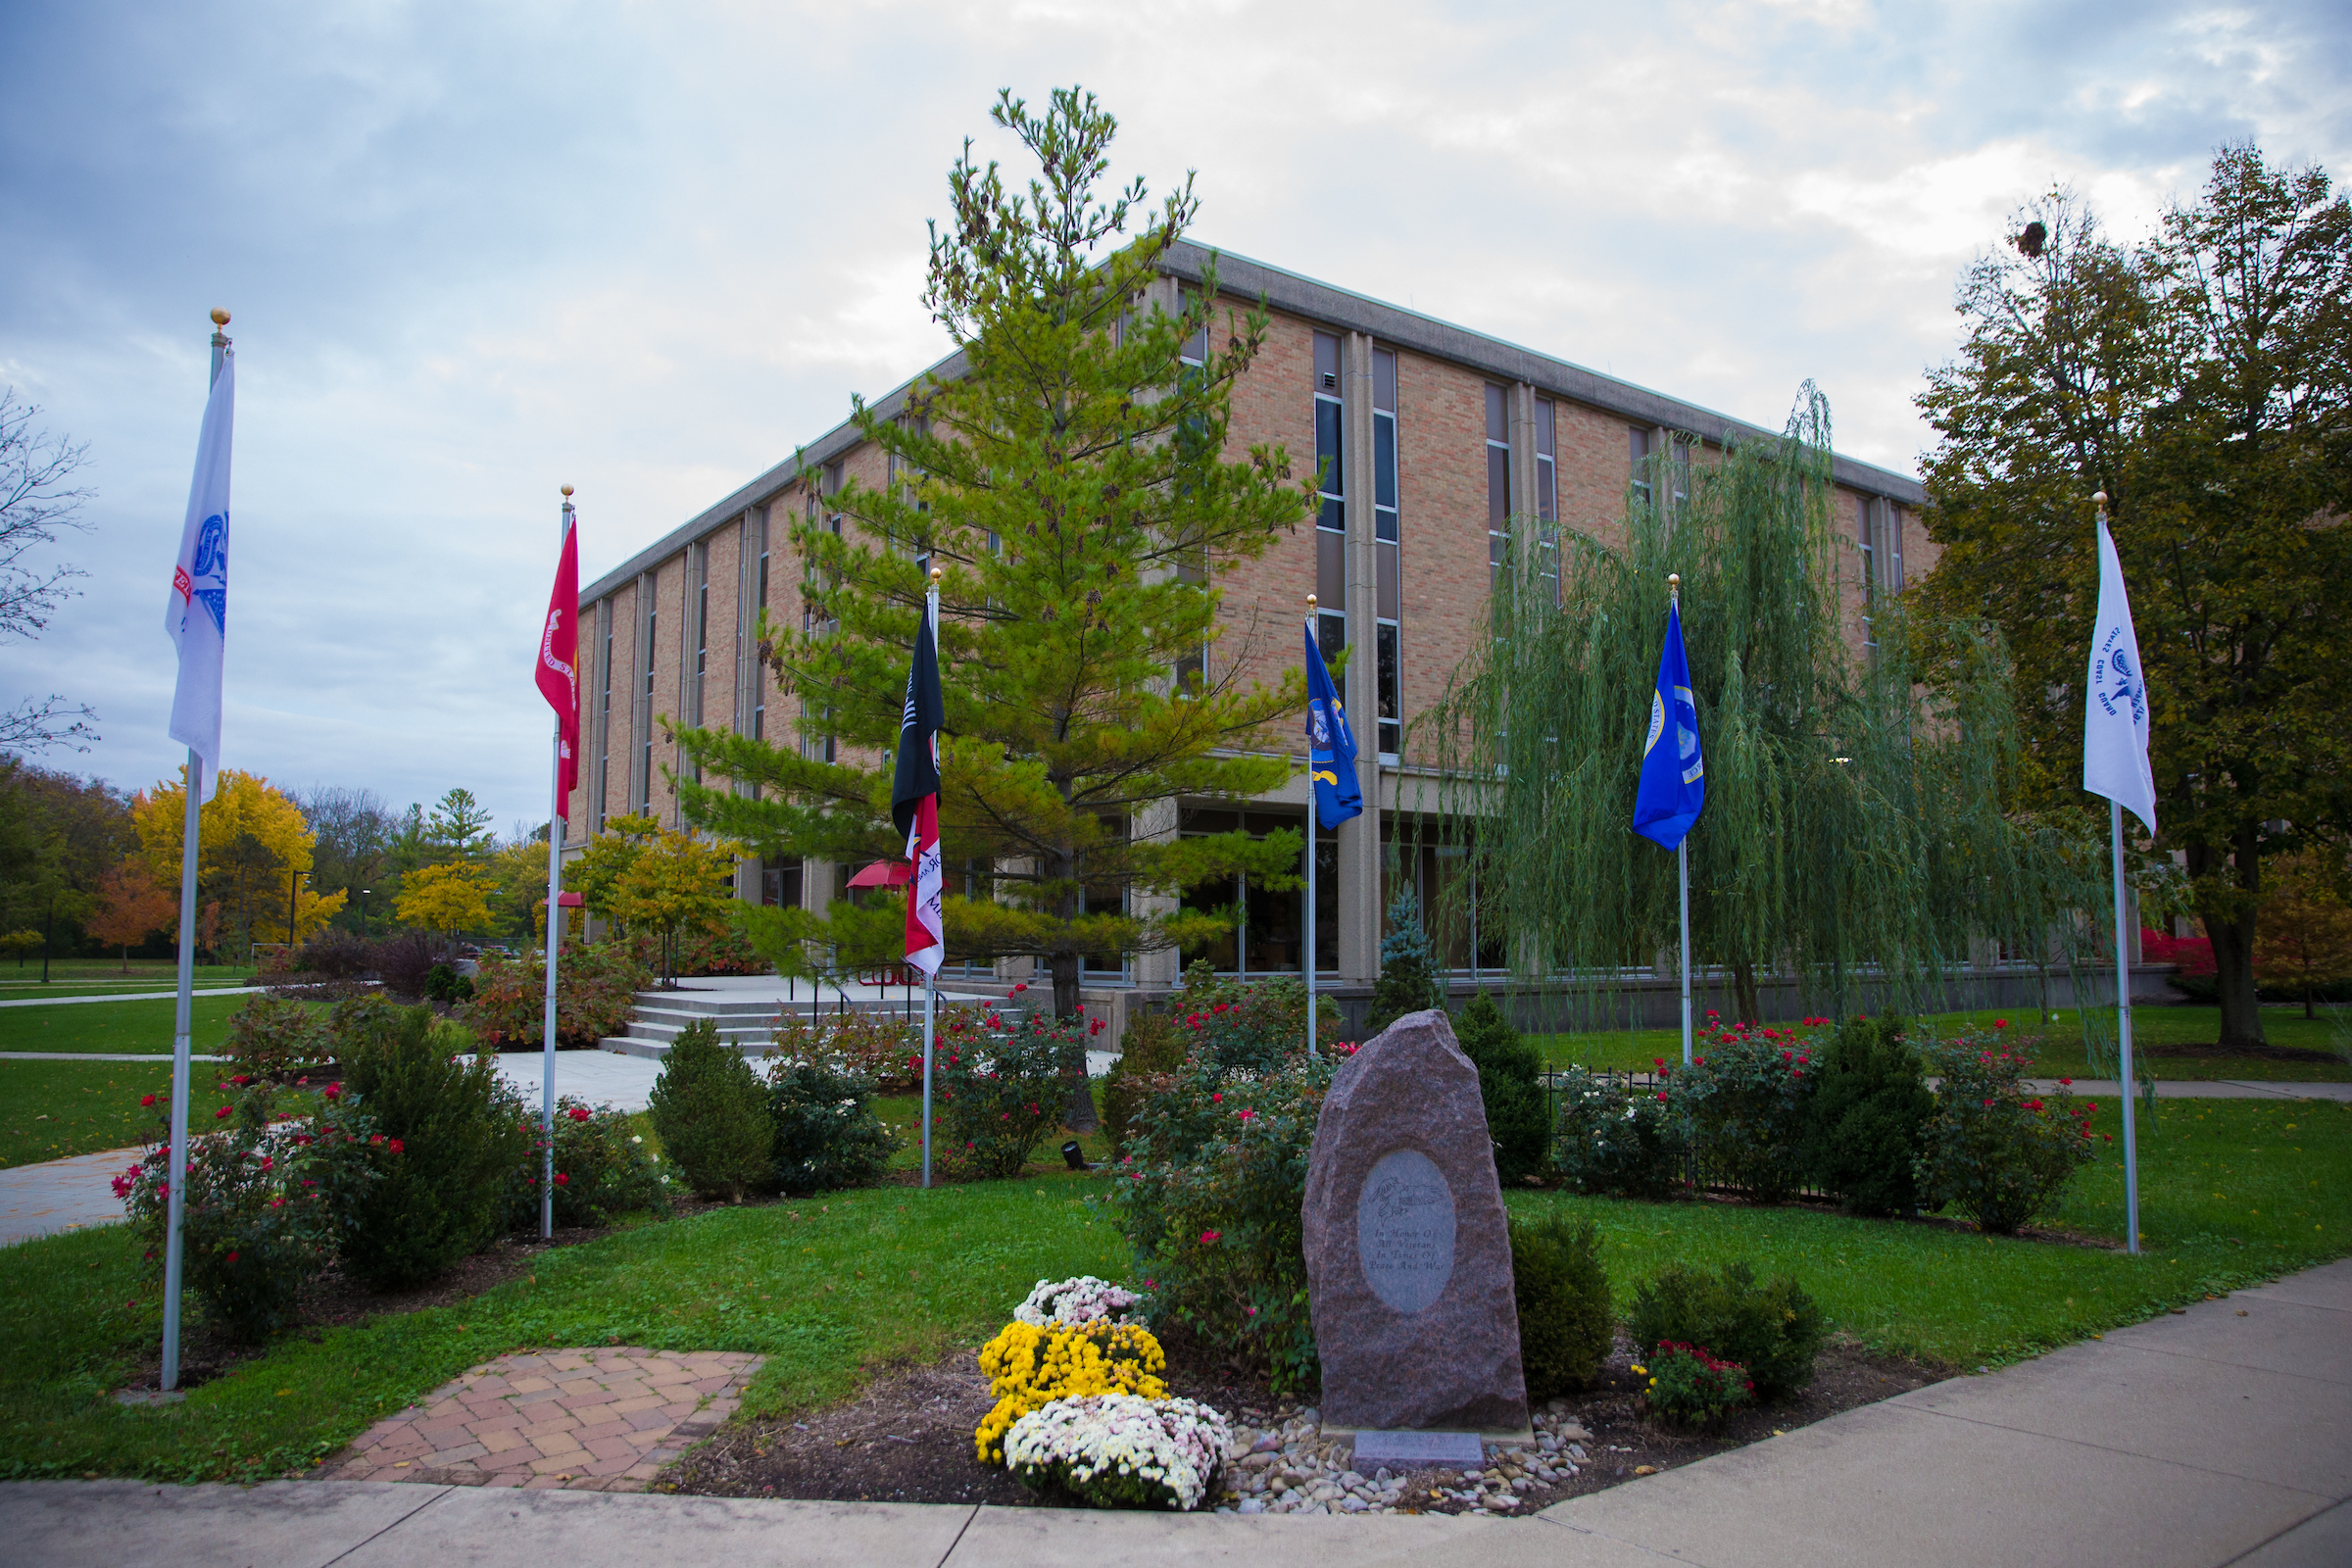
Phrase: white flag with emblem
x=197 y=617
x=2115 y=714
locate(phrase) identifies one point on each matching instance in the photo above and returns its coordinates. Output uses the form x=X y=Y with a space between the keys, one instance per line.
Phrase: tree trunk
x=2228 y=916
x=1744 y=994
x=1078 y=1099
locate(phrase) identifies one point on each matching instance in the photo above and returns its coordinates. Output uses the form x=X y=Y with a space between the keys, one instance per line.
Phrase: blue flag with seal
x=1674 y=776
x=1331 y=746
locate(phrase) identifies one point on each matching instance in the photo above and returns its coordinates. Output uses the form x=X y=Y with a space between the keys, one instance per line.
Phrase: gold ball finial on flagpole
x=219 y=316
x=1310 y=601
x=567 y=492
x=936 y=573
x=2098 y=499
x=1674 y=584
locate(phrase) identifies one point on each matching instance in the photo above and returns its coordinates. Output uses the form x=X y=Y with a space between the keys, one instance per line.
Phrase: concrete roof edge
x=1306 y=296
x=1303 y=296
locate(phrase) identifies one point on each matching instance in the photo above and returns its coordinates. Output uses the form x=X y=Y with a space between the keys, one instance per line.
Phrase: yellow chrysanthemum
x=1029 y=1366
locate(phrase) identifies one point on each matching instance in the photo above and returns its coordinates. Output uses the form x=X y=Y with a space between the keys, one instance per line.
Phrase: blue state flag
x=1674 y=776
x=1331 y=746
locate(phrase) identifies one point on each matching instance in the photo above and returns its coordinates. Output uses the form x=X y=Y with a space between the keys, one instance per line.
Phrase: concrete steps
x=743 y=1021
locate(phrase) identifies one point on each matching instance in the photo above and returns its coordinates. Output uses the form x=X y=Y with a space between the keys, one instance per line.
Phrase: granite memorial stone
x=1409 y=1254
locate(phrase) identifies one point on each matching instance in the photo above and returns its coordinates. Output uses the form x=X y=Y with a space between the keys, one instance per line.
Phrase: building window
x=1498 y=482
x=780 y=882
x=1638 y=447
x=645 y=727
x=1192 y=669
x=1331 y=520
x=1269 y=934
x=759 y=670
x=1547 y=500
x=603 y=717
x=1386 y=542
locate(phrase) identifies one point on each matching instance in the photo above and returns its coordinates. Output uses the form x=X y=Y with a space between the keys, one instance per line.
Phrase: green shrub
x=825 y=1134
x=1508 y=1070
x=1998 y=1151
x=464 y=1133
x=601 y=1166
x=1152 y=1048
x=444 y=984
x=1774 y=1330
x=1249 y=1026
x=709 y=1109
x=1407 y=980
x=1002 y=1089
x=596 y=987
x=1566 y=1319
x=877 y=1046
x=1209 y=1197
x=1747 y=1099
x=262 y=1205
x=1686 y=1386
x=1616 y=1138
x=273 y=1037
x=1866 y=1125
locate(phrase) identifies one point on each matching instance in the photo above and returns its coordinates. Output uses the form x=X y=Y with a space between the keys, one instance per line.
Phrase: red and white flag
x=914 y=796
x=558 y=662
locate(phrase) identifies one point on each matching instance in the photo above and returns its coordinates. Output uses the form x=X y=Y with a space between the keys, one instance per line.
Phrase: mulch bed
x=908 y=1436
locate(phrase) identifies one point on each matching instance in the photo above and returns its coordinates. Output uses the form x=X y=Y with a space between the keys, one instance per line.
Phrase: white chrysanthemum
x=1064 y=1304
x=1095 y=1442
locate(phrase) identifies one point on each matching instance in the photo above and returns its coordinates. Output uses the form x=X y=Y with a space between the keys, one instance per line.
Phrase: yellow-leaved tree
x=674 y=883
x=447 y=898
x=252 y=856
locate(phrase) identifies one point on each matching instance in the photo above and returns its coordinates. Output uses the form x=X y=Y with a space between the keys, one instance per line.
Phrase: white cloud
x=647 y=249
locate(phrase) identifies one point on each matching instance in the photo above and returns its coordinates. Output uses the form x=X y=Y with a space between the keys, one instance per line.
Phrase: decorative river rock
x=1408 y=1254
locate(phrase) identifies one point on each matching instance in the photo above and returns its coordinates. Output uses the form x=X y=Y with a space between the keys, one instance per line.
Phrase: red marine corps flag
x=558 y=664
x=914 y=795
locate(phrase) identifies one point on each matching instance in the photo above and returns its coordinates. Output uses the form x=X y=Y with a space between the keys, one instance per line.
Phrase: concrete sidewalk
x=132 y=996
x=2223 y=1436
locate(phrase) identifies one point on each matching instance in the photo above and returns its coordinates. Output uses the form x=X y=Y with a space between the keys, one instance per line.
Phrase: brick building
x=1445 y=444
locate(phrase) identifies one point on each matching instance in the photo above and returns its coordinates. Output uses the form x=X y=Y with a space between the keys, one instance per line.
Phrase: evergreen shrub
x=1408 y=967
x=710 y=1110
x=1509 y=1074
x=1867 y=1121
x=464 y=1133
x=1567 y=1320
x=1152 y=1048
x=1616 y=1136
x=826 y=1135
x=1774 y=1330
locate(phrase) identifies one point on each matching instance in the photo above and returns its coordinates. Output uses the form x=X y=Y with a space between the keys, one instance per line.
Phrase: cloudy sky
x=475 y=252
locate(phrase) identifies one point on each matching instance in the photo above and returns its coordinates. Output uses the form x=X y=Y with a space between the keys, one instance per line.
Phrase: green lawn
x=92 y=976
x=134 y=1028
x=50 y=1109
x=58 y=989
x=2232 y=1193
x=2061 y=1049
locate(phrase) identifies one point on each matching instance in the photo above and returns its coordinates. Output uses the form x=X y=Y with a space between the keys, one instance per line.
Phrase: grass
x=70 y=977
x=2060 y=1055
x=824 y=1290
x=51 y=1109
x=2232 y=1191
x=131 y=1028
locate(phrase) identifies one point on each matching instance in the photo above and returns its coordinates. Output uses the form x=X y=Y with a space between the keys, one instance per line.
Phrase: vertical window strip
x=604 y=714
x=1387 y=550
x=1547 y=499
x=1498 y=482
x=1638 y=444
x=1331 y=520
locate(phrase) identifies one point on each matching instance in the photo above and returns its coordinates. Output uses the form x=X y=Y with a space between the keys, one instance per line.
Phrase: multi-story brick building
x=1442 y=445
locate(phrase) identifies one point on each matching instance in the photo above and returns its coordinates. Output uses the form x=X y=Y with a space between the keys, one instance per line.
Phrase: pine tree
x=1407 y=966
x=1071 y=481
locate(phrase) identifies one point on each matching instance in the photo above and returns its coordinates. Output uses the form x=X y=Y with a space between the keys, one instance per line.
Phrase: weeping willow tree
x=1854 y=825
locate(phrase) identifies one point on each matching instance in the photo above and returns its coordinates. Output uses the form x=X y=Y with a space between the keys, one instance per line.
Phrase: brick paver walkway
x=594 y=1420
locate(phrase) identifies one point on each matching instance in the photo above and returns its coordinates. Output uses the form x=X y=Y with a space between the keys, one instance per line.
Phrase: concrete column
x=1359 y=911
x=1161 y=969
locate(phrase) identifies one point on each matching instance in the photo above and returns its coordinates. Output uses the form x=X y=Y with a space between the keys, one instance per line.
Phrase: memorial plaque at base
x=1409 y=1254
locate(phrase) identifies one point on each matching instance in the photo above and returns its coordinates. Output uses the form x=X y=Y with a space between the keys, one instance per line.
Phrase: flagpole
x=1310 y=867
x=930 y=980
x=182 y=1008
x=2123 y=1002
x=1682 y=864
